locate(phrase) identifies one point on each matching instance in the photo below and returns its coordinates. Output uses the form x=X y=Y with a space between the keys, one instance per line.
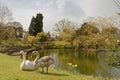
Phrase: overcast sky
x=56 y=10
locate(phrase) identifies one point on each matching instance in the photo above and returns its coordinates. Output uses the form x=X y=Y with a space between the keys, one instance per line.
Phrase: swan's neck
x=24 y=58
x=36 y=59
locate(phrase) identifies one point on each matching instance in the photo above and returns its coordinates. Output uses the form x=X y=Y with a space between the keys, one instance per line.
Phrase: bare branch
x=5 y=14
x=117 y=3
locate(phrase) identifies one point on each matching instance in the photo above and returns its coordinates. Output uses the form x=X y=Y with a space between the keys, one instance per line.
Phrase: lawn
x=9 y=70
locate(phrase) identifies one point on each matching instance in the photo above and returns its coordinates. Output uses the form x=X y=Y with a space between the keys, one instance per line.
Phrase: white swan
x=26 y=64
x=45 y=61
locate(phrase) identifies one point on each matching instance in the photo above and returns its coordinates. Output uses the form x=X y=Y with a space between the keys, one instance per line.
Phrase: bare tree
x=15 y=24
x=17 y=27
x=102 y=22
x=5 y=14
x=117 y=3
x=62 y=24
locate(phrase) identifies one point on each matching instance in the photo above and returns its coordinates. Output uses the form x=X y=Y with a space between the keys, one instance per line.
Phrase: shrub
x=31 y=39
x=42 y=37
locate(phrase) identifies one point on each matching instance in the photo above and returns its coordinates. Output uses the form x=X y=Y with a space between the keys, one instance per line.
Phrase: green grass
x=9 y=70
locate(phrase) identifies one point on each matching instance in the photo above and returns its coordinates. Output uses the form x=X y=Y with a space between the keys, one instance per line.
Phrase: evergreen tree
x=36 y=25
x=32 y=26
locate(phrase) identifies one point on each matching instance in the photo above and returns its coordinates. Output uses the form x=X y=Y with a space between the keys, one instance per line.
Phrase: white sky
x=56 y=10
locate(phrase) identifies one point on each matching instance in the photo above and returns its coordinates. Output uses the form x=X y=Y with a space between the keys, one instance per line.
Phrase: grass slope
x=9 y=70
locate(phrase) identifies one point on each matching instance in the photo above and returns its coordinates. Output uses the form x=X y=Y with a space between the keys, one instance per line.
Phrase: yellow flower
x=70 y=64
x=75 y=65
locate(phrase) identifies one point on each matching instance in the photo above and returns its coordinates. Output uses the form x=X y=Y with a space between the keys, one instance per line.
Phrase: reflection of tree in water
x=114 y=60
x=105 y=69
x=87 y=63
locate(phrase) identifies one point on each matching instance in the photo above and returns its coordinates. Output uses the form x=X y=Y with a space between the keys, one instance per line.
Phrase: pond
x=80 y=62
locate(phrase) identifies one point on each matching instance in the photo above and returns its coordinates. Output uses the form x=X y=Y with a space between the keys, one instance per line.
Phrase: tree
x=7 y=32
x=41 y=37
x=87 y=29
x=18 y=28
x=15 y=24
x=5 y=15
x=86 y=36
x=117 y=3
x=102 y=22
x=32 y=26
x=60 y=25
x=31 y=39
x=36 y=25
x=110 y=36
x=111 y=30
x=11 y=30
x=65 y=32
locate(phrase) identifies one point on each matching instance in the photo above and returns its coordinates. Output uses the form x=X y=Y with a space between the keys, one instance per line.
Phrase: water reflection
x=87 y=63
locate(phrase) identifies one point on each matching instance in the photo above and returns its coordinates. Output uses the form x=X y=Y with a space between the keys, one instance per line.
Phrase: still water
x=91 y=63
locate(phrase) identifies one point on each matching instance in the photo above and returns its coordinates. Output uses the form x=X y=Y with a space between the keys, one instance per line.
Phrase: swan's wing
x=45 y=58
x=28 y=65
x=39 y=62
x=42 y=63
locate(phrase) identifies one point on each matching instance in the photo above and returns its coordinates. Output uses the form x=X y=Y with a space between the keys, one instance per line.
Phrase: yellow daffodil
x=75 y=65
x=70 y=64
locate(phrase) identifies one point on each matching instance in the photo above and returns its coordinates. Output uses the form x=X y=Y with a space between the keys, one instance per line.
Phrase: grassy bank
x=9 y=70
